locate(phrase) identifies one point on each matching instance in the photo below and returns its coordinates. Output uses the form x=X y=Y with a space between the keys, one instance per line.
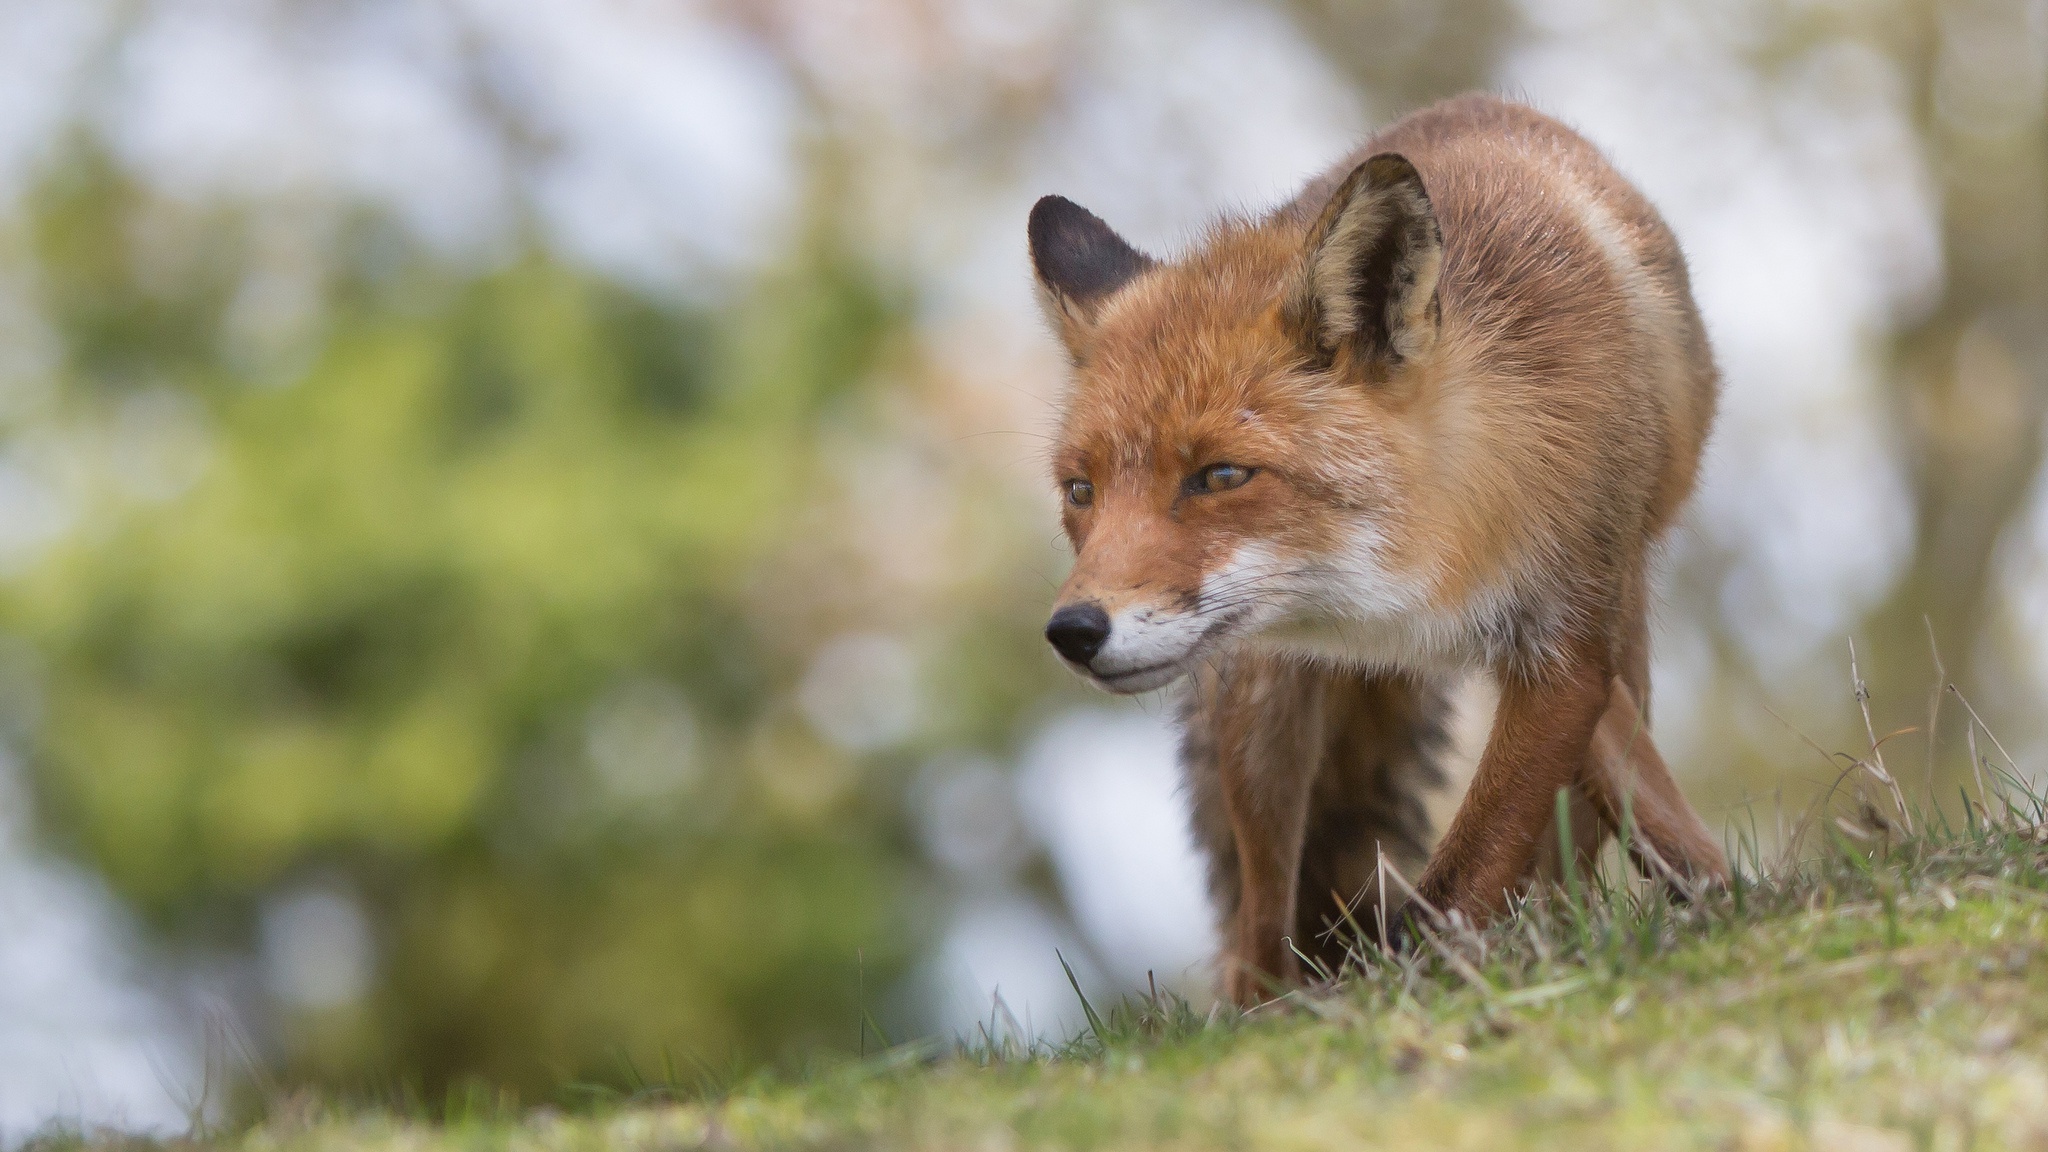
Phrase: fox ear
x=1081 y=262
x=1369 y=277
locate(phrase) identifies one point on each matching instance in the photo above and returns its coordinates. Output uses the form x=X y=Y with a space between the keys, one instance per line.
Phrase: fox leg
x=1624 y=763
x=1594 y=809
x=1590 y=830
x=1625 y=779
x=1626 y=776
x=1542 y=732
x=1382 y=738
x=1266 y=800
x=1251 y=754
x=1302 y=776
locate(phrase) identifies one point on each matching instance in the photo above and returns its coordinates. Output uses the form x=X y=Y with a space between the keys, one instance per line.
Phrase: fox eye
x=1218 y=478
x=1080 y=493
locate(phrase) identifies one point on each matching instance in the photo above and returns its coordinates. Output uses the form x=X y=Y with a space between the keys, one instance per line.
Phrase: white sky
x=88 y=1036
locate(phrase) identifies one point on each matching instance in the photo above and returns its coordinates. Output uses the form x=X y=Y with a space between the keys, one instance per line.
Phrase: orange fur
x=1462 y=387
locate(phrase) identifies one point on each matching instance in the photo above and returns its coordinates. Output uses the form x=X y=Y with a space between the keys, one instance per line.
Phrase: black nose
x=1078 y=631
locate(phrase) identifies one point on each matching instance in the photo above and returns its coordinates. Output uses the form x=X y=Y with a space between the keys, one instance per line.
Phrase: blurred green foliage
x=376 y=635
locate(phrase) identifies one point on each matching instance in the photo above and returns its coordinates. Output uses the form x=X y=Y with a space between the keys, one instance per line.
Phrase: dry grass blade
x=1933 y=702
x=1691 y=889
x=1790 y=841
x=1542 y=993
x=1965 y=700
x=1875 y=764
x=1458 y=963
x=1977 y=766
x=1996 y=886
x=1852 y=966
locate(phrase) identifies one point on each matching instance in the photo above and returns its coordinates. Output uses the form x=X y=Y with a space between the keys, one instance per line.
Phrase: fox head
x=1239 y=449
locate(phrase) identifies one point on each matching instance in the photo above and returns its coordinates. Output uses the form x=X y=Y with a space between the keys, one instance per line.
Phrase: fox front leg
x=1542 y=733
x=1266 y=796
x=1626 y=777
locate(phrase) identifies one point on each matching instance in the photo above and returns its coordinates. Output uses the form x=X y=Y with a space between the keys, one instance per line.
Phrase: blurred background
x=523 y=532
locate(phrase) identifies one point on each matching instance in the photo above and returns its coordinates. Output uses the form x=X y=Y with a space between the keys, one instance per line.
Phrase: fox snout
x=1077 y=631
x=1134 y=648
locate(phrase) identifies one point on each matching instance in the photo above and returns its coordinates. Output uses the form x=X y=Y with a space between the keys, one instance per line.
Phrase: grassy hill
x=1888 y=991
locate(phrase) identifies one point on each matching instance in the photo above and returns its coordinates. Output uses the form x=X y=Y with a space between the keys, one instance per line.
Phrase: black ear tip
x=1053 y=214
x=1389 y=168
x=1051 y=204
x=1076 y=254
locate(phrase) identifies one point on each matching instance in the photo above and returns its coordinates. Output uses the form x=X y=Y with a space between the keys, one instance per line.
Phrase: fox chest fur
x=1429 y=415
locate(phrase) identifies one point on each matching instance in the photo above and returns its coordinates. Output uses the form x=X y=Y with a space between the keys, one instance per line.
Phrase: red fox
x=1428 y=416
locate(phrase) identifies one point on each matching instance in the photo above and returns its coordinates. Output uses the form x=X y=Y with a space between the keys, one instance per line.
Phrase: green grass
x=1889 y=990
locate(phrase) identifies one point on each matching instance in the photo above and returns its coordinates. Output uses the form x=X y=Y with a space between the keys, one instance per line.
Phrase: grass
x=1874 y=988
